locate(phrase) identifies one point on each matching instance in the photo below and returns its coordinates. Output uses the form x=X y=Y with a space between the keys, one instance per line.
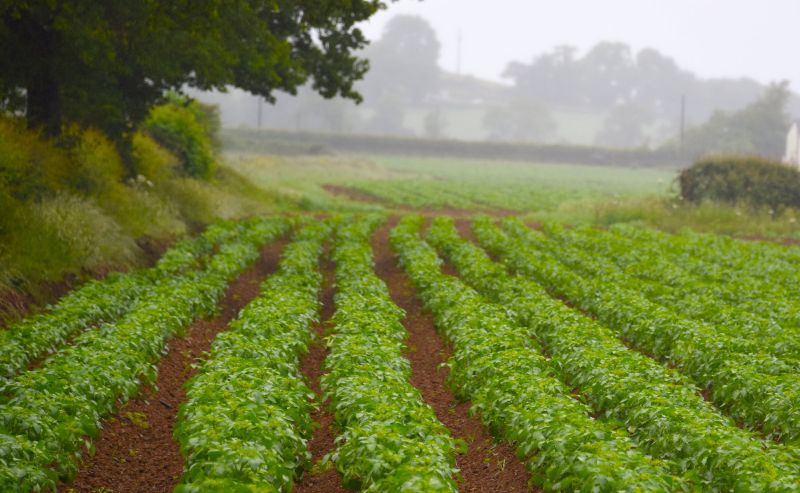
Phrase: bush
x=150 y=159
x=30 y=166
x=741 y=179
x=186 y=129
x=95 y=163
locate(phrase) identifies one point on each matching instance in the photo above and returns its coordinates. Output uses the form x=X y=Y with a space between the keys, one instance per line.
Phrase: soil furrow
x=487 y=466
x=311 y=365
x=135 y=452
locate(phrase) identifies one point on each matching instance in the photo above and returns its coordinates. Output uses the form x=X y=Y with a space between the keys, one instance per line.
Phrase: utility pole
x=683 y=119
x=260 y=103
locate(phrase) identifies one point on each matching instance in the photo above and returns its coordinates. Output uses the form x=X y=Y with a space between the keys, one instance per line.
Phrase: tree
x=759 y=127
x=405 y=61
x=553 y=77
x=104 y=63
x=611 y=69
x=609 y=75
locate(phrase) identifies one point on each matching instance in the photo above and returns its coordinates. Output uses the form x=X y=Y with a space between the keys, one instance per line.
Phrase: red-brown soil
x=487 y=466
x=322 y=442
x=135 y=452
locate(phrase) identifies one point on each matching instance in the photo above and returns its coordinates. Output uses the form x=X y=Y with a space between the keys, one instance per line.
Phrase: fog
x=712 y=38
x=616 y=73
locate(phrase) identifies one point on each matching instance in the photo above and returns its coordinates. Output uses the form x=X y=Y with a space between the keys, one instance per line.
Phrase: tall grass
x=68 y=208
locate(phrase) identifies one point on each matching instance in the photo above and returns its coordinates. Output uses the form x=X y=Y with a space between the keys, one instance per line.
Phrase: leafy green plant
x=391 y=440
x=185 y=129
x=748 y=383
x=100 y=302
x=48 y=414
x=245 y=424
x=770 y=318
x=514 y=387
x=660 y=408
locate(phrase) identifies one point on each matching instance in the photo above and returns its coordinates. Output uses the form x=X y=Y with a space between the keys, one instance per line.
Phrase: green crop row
x=647 y=270
x=663 y=412
x=716 y=257
x=247 y=417
x=391 y=440
x=747 y=383
x=517 y=392
x=47 y=414
x=742 y=274
x=99 y=302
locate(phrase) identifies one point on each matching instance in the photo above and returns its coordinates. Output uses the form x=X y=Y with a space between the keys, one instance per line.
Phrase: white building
x=792 y=155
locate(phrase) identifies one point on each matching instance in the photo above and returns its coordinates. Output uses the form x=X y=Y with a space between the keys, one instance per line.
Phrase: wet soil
x=487 y=466
x=135 y=451
x=311 y=366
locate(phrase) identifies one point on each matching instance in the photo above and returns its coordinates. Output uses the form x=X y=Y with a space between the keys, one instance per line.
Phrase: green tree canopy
x=104 y=63
x=405 y=61
x=758 y=128
x=611 y=74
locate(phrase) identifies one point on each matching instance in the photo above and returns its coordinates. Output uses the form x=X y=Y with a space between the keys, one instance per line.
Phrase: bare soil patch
x=135 y=452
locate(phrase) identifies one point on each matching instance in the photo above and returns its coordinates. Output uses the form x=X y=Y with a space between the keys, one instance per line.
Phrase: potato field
x=411 y=353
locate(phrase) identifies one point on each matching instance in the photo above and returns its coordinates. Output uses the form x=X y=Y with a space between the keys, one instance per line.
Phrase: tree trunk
x=44 y=104
x=42 y=85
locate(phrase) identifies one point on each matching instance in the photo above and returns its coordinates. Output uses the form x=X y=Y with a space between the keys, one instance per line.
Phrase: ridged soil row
x=135 y=452
x=487 y=466
x=311 y=365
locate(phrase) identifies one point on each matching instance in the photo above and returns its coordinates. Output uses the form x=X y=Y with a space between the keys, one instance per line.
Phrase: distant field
x=565 y=193
x=547 y=190
x=509 y=186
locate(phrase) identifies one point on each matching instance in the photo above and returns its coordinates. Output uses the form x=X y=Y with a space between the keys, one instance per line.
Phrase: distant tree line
x=610 y=74
x=637 y=95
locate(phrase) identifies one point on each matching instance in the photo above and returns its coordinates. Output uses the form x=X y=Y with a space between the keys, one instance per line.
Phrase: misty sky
x=713 y=38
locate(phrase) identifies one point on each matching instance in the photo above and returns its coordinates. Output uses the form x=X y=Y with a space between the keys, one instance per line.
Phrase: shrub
x=185 y=128
x=95 y=163
x=734 y=179
x=151 y=160
x=30 y=166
